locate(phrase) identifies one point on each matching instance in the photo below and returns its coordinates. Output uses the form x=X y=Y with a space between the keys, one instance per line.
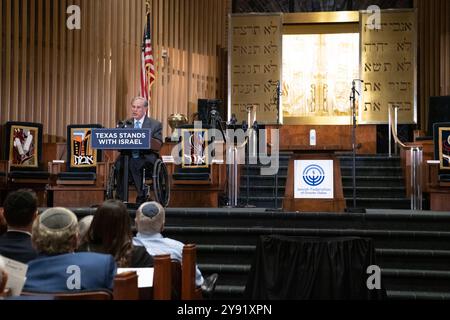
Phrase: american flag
x=147 y=66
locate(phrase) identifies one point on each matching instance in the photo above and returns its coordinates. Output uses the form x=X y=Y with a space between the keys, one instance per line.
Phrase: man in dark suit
x=140 y=159
x=20 y=210
x=58 y=267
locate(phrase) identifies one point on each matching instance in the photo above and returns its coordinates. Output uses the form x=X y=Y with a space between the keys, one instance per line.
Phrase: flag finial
x=148 y=7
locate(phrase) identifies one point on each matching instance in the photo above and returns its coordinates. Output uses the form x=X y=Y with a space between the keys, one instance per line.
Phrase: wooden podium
x=306 y=152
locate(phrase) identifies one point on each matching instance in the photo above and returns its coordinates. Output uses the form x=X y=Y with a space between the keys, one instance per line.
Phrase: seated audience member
x=3 y=225
x=150 y=219
x=58 y=268
x=20 y=210
x=84 y=224
x=110 y=232
x=3 y=276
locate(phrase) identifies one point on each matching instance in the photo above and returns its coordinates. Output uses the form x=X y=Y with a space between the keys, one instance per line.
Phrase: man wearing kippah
x=58 y=267
x=150 y=219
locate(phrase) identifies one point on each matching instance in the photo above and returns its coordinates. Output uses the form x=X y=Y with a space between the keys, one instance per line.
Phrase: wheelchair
x=155 y=181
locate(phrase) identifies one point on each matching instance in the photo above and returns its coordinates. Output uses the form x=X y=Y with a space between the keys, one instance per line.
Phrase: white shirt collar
x=141 y=121
x=20 y=231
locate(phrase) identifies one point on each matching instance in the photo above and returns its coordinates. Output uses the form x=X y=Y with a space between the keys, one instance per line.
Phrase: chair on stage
x=23 y=167
x=156 y=183
x=83 y=180
x=438 y=171
x=302 y=268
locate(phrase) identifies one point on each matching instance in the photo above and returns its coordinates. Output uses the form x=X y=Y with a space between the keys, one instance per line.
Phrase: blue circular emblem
x=313 y=175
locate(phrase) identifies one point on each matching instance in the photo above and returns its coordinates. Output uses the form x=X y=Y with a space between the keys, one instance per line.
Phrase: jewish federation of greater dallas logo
x=313 y=175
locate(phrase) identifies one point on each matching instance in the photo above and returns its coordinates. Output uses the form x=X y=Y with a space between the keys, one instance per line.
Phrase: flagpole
x=148 y=6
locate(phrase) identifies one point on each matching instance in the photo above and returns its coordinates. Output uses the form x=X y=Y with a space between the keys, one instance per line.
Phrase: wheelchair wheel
x=161 y=183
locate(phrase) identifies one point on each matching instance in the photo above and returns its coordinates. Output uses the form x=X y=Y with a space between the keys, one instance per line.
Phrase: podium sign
x=313 y=179
x=121 y=139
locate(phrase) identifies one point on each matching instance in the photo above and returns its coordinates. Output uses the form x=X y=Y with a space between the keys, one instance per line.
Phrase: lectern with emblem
x=314 y=180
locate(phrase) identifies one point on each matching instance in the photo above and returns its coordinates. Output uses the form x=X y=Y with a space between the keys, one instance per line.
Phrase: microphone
x=244 y=125
x=233 y=119
x=255 y=126
x=128 y=123
x=120 y=124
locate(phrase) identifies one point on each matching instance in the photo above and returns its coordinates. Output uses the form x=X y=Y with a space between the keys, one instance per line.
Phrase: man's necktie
x=135 y=153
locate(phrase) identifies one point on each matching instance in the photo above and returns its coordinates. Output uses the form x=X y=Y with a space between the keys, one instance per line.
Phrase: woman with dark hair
x=110 y=233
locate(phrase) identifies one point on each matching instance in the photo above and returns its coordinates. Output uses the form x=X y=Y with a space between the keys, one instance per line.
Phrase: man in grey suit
x=140 y=159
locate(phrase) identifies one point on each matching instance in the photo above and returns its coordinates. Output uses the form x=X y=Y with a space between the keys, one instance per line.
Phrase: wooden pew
x=189 y=290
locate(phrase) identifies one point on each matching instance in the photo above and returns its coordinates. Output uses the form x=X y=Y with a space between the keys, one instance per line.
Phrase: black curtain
x=312 y=268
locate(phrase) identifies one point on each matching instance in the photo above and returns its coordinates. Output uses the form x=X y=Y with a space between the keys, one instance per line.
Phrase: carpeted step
x=390 y=239
x=380 y=219
x=416 y=280
x=233 y=275
x=263 y=201
x=217 y=254
x=368 y=181
x=386 y=258
x=437 y=260
x=237 y=293
x=416 y=295
x=380 y=203
x=370 y=160
x=374 y=171
x=256 y=180
x=227 y=292
x=392 y=279
x=262 y=191
x=375 y=192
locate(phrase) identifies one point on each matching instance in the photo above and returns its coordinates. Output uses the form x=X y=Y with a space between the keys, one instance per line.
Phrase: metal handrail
x=233 y=174
x=416 y=156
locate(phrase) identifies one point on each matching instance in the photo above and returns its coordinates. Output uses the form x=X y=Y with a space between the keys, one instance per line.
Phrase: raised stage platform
x=412 y=247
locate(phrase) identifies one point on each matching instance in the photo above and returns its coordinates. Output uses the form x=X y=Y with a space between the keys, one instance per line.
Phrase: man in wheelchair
x=141 y=161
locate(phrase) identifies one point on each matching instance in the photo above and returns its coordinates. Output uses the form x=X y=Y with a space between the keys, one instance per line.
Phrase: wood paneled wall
x=193 y=36
x=57 y=76
x=434 y=52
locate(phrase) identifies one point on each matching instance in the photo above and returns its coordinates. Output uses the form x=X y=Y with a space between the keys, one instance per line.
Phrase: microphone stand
x=277 y=97
x=247 y=163
x=353 y=101
x=126 y=159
